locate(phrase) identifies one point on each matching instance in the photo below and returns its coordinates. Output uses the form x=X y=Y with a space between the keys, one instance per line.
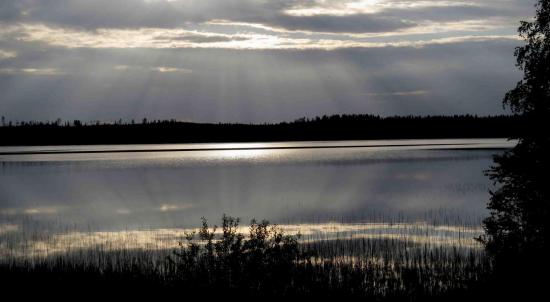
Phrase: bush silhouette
x=262 y=262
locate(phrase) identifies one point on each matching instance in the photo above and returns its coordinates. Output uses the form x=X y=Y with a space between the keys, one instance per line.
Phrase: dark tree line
x=334 y=127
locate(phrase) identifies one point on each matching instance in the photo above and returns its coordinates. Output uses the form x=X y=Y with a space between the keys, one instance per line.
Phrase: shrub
x=262 y=262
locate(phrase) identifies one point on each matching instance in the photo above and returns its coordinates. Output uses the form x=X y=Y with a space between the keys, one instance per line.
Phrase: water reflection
x=420 y=233
x=107 y=191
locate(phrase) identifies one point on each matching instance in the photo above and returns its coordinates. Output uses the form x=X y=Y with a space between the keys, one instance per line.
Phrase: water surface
x=114 y=187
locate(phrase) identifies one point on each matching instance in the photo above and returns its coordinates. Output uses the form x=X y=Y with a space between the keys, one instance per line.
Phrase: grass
x=395 y=261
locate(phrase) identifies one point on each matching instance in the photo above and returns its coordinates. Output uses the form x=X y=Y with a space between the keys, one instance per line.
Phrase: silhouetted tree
x=263 y=262
x=517 y=230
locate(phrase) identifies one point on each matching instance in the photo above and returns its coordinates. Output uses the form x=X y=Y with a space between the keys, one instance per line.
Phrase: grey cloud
x=350 y=24
x=10 y=10
x=247 y=85
x=262 y=85
x=140 y=13
x=458 y=13
x=5 y=54
x=132 y=13
x=172 y=14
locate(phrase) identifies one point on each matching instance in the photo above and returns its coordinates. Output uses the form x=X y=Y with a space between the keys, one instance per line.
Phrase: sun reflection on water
x=249 y=154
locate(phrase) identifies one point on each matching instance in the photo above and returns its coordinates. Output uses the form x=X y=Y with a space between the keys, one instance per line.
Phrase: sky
x=255 y=60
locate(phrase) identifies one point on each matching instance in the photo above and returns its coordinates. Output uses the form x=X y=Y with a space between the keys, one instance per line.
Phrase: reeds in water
x=381 y=260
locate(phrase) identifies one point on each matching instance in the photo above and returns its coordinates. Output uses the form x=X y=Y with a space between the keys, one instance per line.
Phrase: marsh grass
x=397 y=261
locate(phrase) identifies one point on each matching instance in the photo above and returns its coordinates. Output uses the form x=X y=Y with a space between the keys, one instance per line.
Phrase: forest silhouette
x=334 y=127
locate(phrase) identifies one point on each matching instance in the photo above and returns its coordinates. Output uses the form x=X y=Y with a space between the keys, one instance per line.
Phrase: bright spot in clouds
x=161 y=69
x=346 y=8
x=255 y=61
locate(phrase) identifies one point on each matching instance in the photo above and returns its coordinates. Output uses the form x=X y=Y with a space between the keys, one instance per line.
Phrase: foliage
x=517 y=230
x=263 y=261
x=531 y=94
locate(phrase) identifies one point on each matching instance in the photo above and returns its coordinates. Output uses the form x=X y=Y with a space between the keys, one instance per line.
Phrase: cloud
x=32 y=71
x=255 y=61
x=359 y=16
x=160 y=69
x=132 y=13
x=164 y=69
x=202 y=38
x=10 y=10
x=249 y=24
x=128 y=38
x=355 y=7
x=340 y=24
x=468 y=76
x=399 y=93
x=408 y=9
x=4 y=54
x=158 y=38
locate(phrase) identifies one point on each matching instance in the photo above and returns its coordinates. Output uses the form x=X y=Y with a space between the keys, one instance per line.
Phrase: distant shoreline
x=326 y=128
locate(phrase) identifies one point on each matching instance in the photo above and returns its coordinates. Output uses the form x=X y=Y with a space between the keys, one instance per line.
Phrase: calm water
x=162 y=186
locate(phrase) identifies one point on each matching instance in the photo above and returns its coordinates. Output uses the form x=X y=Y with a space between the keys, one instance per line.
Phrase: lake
x=154 y=187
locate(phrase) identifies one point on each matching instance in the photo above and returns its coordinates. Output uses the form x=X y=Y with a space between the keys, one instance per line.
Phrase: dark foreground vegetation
x=517 y=235
x=335 y=127
x=264 y=262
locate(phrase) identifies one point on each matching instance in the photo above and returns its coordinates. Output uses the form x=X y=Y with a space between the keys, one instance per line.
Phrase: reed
x=397 y=260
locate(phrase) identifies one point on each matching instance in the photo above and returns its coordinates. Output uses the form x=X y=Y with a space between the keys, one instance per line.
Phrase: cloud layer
x=255 y=60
